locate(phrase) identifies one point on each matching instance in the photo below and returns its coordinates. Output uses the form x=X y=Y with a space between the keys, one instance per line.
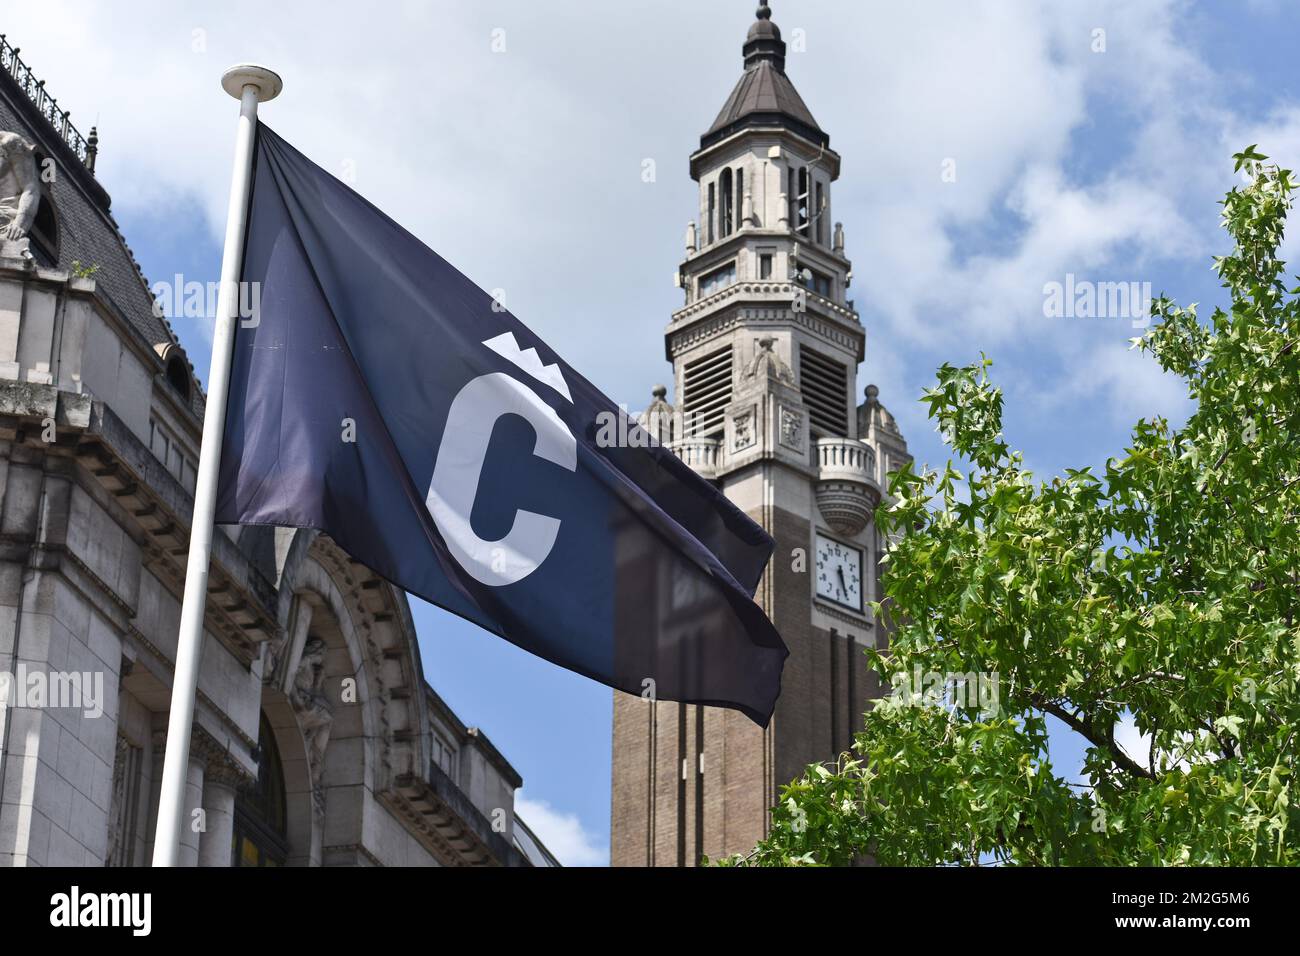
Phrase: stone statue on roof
x=20 y=193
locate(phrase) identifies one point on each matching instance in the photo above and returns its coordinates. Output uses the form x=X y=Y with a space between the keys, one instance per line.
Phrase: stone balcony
x=701 y=454
x=848 y=483
x=846 y=459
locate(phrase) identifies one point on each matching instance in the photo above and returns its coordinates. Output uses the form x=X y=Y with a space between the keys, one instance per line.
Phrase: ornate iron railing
x=46 y=105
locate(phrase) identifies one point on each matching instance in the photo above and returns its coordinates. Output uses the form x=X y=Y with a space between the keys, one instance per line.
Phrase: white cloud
x=1278 y=137
x=1138 y=745
x=1132 y=741
x=562 y=833
x=524 y=167
x=1127 y=383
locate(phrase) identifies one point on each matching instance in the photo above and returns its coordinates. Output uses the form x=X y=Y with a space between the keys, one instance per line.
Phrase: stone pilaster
x=222 y=778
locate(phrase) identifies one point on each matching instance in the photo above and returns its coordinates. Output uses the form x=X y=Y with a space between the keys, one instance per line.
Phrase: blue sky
x=523 y=167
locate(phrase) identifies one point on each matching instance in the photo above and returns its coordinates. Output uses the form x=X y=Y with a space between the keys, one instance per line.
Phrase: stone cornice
x=773 y=134
x=141 y=642
x=708 y=257
x=220 y=765
x=241 y=603
x=762 y=291
x=691 y=326
x=863 y=625
x=356 y=848
x=26 y=271
x=451 y=826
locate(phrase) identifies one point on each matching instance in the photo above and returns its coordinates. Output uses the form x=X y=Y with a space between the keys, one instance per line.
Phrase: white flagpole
x=249 y=84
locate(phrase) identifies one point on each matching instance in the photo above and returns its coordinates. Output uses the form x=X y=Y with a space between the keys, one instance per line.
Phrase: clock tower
x=765 y=351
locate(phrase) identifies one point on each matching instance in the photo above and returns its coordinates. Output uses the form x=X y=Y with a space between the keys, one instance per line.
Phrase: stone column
x=222 y=776
x=189 y=855
x=219 y=804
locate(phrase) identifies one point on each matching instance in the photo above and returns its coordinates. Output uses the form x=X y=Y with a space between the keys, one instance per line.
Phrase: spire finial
x=764 y=41
x=92 y=148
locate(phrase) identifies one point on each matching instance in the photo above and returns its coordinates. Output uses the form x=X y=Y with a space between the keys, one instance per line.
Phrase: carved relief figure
x=744 y=431
x=315 y=714
x=20 y=193
x=791 y=429
x=119 y=808
x=767 y=363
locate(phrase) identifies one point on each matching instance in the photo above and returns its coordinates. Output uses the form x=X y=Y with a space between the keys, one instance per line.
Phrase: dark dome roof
x=763 y=29
x=764 y=96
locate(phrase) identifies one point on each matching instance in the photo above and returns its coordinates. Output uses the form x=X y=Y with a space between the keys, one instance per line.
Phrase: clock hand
x=844 y=587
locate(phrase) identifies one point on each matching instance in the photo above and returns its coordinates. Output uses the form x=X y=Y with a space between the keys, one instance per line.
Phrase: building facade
x=317 y=740
x=765 y=353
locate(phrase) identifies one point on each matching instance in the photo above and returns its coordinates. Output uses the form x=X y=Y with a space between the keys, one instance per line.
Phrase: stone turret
x=765 y=351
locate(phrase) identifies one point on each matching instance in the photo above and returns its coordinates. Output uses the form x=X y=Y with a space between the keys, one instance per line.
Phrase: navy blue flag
x=381 y=397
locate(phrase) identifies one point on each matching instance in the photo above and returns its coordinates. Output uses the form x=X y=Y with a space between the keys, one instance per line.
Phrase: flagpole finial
x=266 y=81
x=764 y=11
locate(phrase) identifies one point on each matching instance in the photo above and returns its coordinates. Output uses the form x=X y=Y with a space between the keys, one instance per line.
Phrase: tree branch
x=1084 y=727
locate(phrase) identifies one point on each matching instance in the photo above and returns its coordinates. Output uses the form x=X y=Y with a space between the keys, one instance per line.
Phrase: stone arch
x=377 y=736
x=45 y=233
x=301 y=825
x=177 y=371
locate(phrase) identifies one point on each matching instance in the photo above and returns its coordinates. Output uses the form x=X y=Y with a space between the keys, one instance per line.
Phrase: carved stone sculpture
x=315 y=714
x=658 y=418
x=743 y=431
x=119 y=808
x=791 y=423
x=766 y=363
x=20 y=194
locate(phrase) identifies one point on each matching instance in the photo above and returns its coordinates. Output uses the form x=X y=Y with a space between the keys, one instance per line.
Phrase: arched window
x=817 y=211
x=44 y=233
x=802 y=203
x=728 y=204
x=740 y=198
x=713 y=204
x=178 y=376
x=259 y=832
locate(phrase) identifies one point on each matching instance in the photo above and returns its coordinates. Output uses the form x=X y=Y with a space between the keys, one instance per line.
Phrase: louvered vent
x=706 y=392
x=825 y=386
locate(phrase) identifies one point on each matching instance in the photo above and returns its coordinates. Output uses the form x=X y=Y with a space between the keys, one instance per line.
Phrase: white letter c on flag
x=473 y=414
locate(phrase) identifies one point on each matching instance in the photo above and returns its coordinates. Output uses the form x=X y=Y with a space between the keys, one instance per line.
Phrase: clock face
x=839 y=573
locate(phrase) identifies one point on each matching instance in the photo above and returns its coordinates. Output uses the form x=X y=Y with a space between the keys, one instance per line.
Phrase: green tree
x=1164 y=589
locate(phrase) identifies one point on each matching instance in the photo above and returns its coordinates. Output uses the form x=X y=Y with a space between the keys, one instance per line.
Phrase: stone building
x=317 y=740
x=765 y=353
